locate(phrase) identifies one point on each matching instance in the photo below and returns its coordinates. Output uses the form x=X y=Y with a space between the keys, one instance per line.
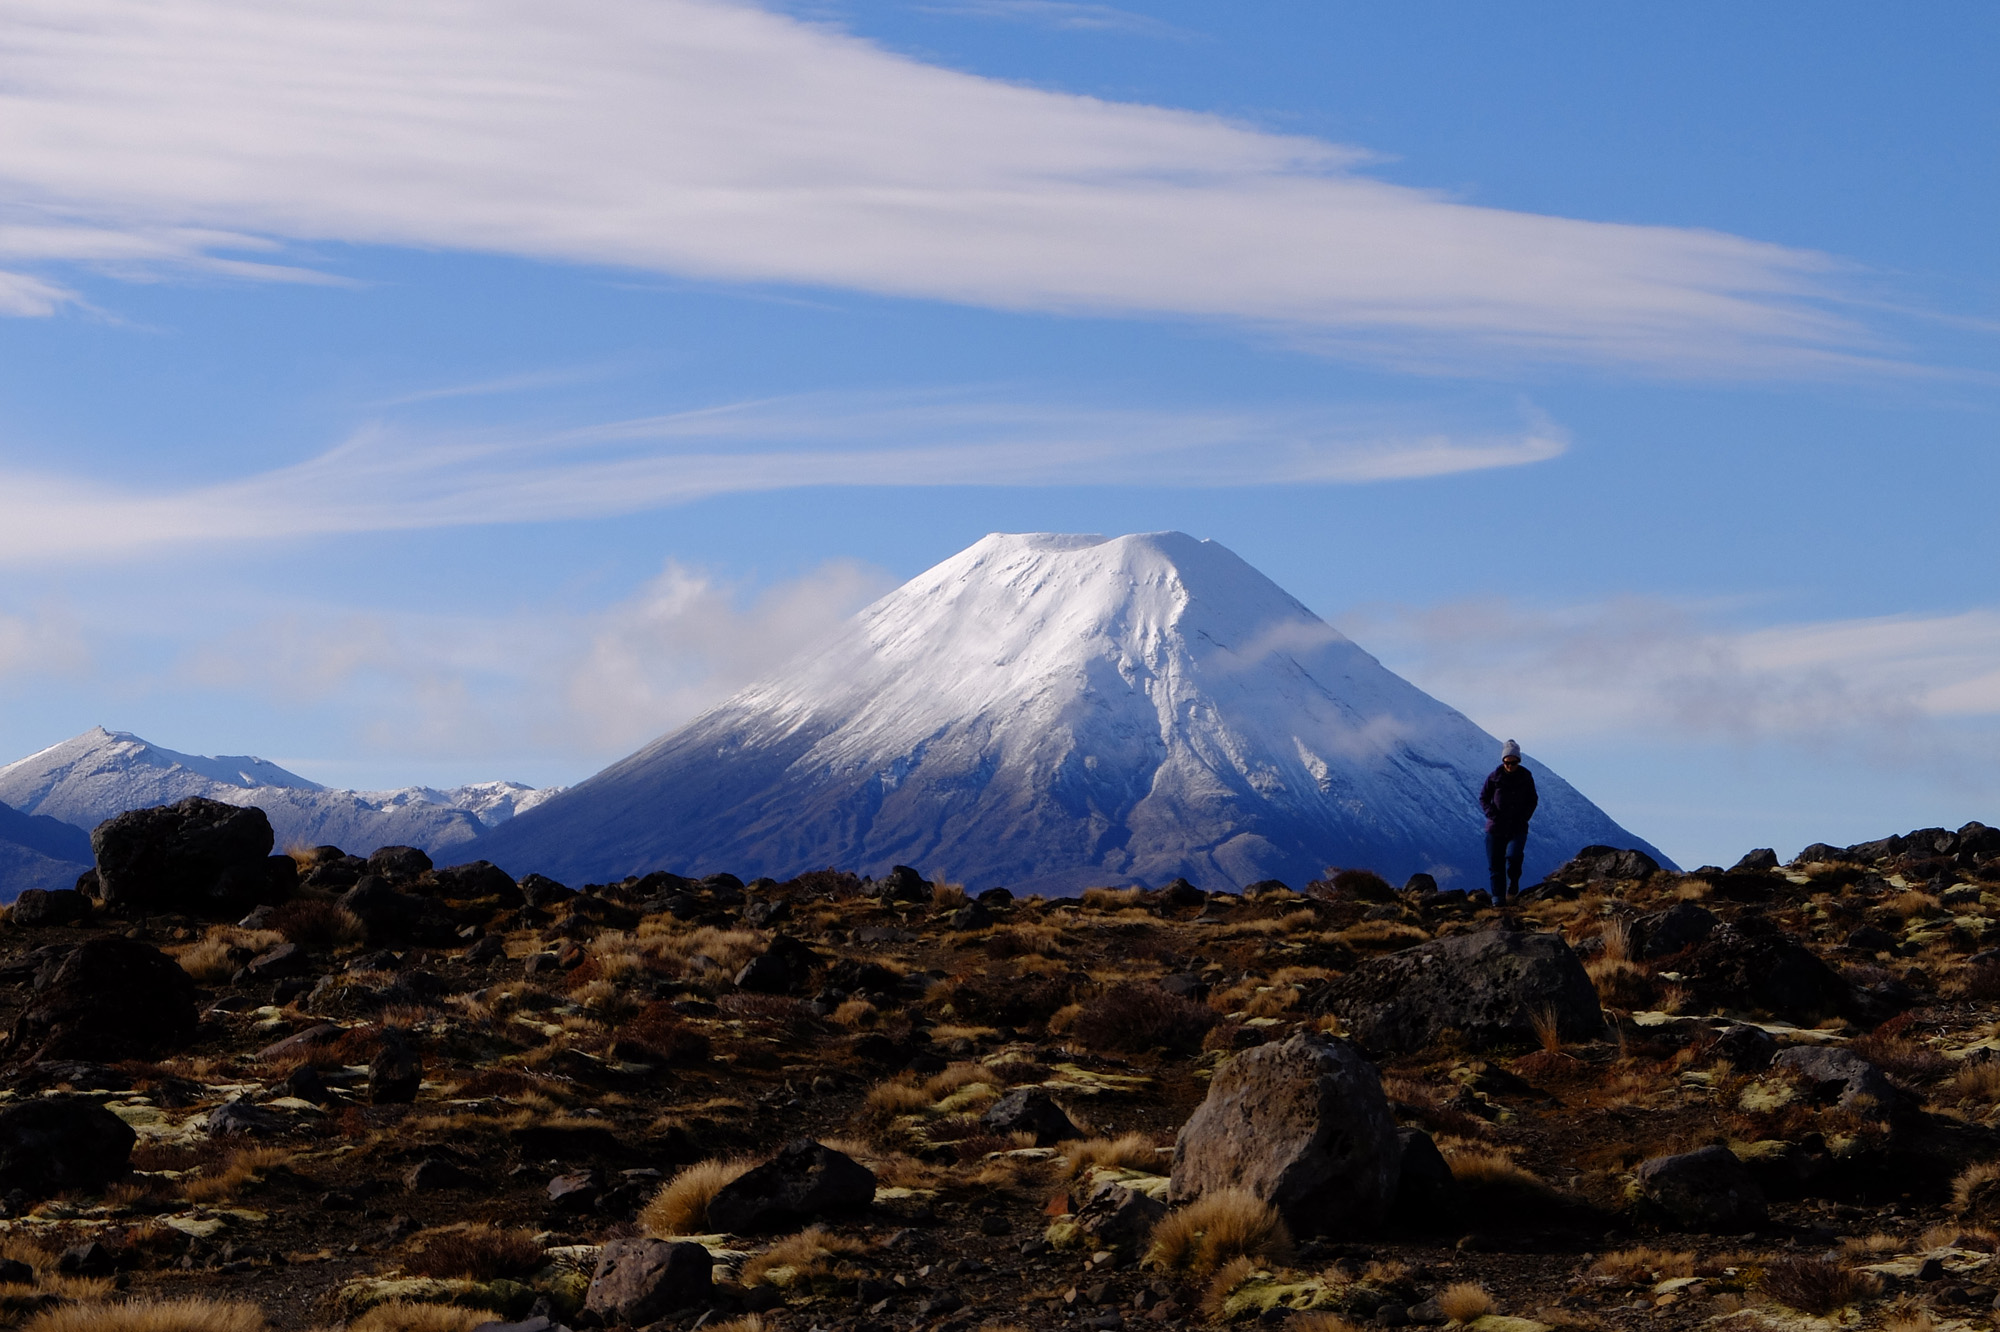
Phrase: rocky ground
x=410 y=1098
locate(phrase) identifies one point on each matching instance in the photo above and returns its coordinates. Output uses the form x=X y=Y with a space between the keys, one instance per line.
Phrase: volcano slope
x=508 y=1087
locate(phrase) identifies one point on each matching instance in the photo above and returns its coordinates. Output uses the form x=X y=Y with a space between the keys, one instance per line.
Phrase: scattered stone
x=1763 y=858
x=577 y=1192
x=803 y=1182
x=398 y=863
x=1031 y=1110
x=395 y=1074
x=972 y=916
x=89 y=1259
x=1595 y=864
x=475 y=881
x=110 y=998
x=1708 y=1189
x=276 y=962
x=782 y=968
x=764 y=914
x=242 y=1117
x=1834 y=1072
x=1301 y=1124
x=14 y=1272
x=1427 y=1193
x=199 y=856
x=1753 y=966
x=36 y=908
x=62 y=1144
x=638 y=1280
x=904 y=884
x=1120 y=1218
x=1490 y=987
x=434 y=1173
x=1664 y=933
x=1745 y=1048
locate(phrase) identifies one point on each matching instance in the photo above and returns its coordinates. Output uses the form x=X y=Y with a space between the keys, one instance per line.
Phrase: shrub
x=318 y=927
x=1463 y=1301
x=658 y=1030
x=1816 y=1285
x=478 y=1250
x=681 y=1205
x=1215 y=1228
x=1134 y=1018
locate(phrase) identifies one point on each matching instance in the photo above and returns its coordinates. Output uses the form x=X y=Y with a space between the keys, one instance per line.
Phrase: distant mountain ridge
x=88 y=778
x=1048 y=712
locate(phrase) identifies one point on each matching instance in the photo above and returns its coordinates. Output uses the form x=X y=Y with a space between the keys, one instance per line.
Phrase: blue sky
x=442 y=392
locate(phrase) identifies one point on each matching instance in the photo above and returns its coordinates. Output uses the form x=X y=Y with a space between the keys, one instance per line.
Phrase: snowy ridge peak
x=1049 y=711
x=90 y=777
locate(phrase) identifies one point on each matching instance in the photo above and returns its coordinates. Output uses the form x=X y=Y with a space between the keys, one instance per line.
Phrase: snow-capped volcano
x=88 y=778
x=1049 y=712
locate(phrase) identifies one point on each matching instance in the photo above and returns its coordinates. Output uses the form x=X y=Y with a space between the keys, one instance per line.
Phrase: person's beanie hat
x=1510 y=750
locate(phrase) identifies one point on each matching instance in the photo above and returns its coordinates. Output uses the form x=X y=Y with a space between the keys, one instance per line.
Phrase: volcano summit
x=1049 y=712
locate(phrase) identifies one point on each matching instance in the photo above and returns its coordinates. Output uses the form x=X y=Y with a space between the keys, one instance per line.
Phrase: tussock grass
x=807 y=1254
x=1643 y=1265
x=1975 y=1082
x=243 y=1171
x=217 y=956
x=1131 y=1151
x=1975 y=1194
x=1463 y=1301
x=477 y=1250
x=681 y=1205
x=1908 y=1320
x=747 y=1323
x=319 y=927
x=1215 y=1228
x=1620 y=984
x=948 y=896
x=1111 y=899
x=409 y=1316
x=1223 y=1284
x=1321 y=1322
x=188 y=1315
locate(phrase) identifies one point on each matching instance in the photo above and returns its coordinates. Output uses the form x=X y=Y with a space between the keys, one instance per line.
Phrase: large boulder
x=111 y=998
x=1491 y=988
x=804 y=1181
x=62 y=1145
x=1597 y=864
x=1836 y=1074
x=1753 y=967
x=37 y=907
x=1704 y=1190
x=1664 y=933
x=1303 y=1125
x=1119 y=1218
x=476 y=881
x=199 y=856
x=639 y=1280
x=1427 y=1194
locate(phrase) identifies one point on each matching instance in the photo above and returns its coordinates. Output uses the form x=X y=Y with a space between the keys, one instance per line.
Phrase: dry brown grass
x=1643 y=1265
x=1548 y=1029
x=1617 y=935
x=1132 y=1151
x=702 y=953
x=1476 y=1166
x=219 y=954
x=1620 y=984
x=807 y=1254
x=408 y=1316
x=188 y=1315
x=1975 y=1194
x=1974 y=1082
x=1223 y=1284
x=1215 y=1228
x=477 y=1250
x=243 y=1171
x=1908 y=1320
x=1817 y=1285
x=856 y=1013
x=1915 y=905
x=681 y=1205
x=319 y=926
x=1463 y=1301
x=747 y=1323
x=1111 y=899
x=1321 y=1322
x=948 y=896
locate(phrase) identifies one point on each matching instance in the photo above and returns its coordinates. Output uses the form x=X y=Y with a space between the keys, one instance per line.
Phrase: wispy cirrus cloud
x=1061 y=14
x=388 y=477
x=715 y=140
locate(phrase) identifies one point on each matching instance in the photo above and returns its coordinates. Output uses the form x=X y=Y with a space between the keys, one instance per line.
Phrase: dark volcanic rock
x=542 y=892
x=1751 y=966
x=803 y=1181
x=903 y=884
x=1116 y=1217
x=1596 y=863
x=111 y=998
x=395 y=1074
x=783 y=968
x=398 y=862
x=1662 y=933
x=1427 y=1193
x=1763 y=858
x=1705 y=1190
x=61 y=1145
x=49 y=906
x=1301 y=1124
x=638 y=1280
x=1031 y=1110
x=476 y=880
x=1489 y=987
x=197 y=855
x=1745 y=1048
x=1835 y=1073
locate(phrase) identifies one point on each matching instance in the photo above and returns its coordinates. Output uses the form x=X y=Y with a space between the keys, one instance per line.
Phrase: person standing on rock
x=1509 y=800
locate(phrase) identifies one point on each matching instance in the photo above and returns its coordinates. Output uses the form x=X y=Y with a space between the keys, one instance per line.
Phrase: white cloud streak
x=1899 y=689
x=719 y=141
x=386 y=478
x=570 y=686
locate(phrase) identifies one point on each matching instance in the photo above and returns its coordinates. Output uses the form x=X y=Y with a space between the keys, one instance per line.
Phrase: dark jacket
x=1509 y=799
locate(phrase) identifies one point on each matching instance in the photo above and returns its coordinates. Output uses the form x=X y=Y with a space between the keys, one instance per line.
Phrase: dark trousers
x=1505 y=848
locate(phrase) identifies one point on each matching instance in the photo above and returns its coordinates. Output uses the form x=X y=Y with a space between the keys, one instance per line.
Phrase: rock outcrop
x=804 y=1181
x=62 y=1145
x=1303 y=1125
x=199 y=856
x=111 y=998
x=1708 y=1189
x=1491 y=988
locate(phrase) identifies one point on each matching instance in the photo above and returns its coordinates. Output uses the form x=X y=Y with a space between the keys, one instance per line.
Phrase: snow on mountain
x=1049 y=712
x=90 y=777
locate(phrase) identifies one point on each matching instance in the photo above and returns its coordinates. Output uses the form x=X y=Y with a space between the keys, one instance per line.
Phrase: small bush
x=1215 y=1228
x=681 y=1205
x=1463 y=1301
x=1134 y=1018
x=479 y=1251
x=658 y=1030
x=318 y=927
x=1816 y=1285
